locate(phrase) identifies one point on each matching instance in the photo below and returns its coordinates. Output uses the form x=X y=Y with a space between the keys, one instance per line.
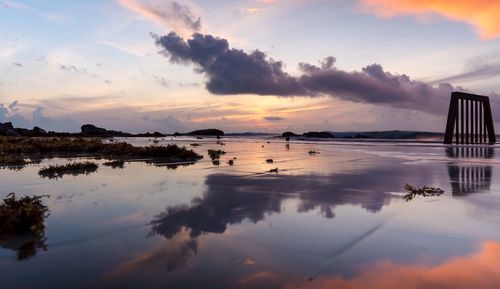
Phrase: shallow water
x=336 y=219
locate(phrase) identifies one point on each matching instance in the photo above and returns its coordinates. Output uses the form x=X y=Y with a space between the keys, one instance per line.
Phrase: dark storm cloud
x=233 y=71
x=230 y=71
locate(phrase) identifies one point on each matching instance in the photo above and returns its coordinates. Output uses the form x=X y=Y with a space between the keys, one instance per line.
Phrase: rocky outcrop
x=5 y=127
x=92 y=130
x=207 y=132
x=39 y=131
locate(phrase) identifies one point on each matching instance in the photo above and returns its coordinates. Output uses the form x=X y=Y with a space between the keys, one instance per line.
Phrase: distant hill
x=392 y=134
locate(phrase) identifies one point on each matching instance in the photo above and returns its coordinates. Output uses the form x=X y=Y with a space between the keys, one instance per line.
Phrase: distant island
x=390 y=135
x=90 y=130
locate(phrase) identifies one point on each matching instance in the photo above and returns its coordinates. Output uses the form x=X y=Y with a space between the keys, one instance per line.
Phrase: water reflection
x=25 y=246
x=22 y=225
x=470 y=178
x=167 y=256
x=480 y=270
x=231 y=199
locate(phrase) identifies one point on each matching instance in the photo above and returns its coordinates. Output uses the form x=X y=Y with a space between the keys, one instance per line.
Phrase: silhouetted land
x=392 y=135
x=90 y=130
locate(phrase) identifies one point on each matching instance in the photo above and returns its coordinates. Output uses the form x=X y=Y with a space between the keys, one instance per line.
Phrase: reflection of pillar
x=469 y=178
x=470 y=118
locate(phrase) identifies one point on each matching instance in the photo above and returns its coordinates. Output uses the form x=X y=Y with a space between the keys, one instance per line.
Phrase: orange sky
x=483 y=14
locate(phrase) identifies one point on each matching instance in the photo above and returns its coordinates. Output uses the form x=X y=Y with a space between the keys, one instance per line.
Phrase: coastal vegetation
x=115 y=164
x=13 y=150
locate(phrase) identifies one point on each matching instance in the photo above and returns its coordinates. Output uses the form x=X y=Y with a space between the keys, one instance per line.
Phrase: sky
x=245 y=65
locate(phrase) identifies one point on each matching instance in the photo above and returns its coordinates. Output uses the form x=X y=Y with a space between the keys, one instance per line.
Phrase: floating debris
x=22 y=225
x=195 y=144
x=58 y=171
x=230 y=162
x=275 y=170
x=313 y=152
x=269 y=161
x=424 y=192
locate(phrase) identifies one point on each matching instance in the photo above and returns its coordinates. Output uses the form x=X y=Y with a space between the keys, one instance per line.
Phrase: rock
x=12 y=132
x=4 y=127
x=92 y=130
x=38 y=130
x=24 y=132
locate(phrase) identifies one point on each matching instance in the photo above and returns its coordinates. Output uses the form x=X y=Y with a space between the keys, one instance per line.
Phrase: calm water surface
x=336 y=219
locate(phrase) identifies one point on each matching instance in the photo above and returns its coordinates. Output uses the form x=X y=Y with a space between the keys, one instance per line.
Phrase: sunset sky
x=255 y=65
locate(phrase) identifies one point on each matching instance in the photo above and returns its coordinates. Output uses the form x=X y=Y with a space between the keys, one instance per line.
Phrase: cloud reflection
x=480 y=271
x=168 y=256
x=231 y=199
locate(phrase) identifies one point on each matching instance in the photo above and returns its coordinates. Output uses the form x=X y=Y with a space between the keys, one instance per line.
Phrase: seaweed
x=215 y=154
x=424 y=192
x=58 y=171
x=22 y=224
x=115 y=164
x=12 y=162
